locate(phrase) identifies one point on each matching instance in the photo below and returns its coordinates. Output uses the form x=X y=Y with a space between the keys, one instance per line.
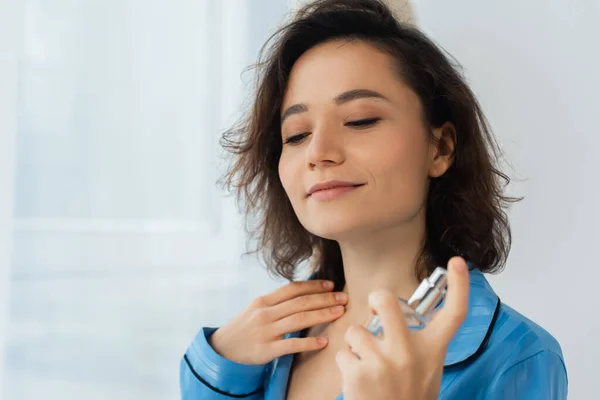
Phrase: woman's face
x=353 y=121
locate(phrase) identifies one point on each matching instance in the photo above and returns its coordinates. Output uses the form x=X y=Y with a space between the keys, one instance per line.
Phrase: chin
x=336 y=228
x=344 y=224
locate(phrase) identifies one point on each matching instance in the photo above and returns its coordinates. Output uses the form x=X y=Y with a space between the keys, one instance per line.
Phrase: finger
x=302 y=320
x=298 y=345
x=295 y=289
x=361 y=342
x=346 y=360
x=447 y=320
x=307 y=303
x=387 y=307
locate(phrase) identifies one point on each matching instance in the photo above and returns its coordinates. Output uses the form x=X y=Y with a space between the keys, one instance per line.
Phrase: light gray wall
x=535 y=66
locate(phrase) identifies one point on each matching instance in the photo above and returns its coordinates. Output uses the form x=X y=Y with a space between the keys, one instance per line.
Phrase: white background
x=115 y=244
x=535 y=67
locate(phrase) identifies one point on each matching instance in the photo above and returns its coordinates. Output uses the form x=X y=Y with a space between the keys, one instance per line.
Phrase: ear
x=441 y=149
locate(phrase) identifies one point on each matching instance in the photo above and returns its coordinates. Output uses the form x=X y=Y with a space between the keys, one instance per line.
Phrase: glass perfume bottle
x=419 y=308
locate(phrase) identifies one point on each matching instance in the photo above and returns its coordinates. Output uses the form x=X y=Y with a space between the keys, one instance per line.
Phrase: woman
x=366 y=152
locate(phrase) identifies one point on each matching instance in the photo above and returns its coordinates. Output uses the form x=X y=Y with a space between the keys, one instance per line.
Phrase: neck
x=385 y=259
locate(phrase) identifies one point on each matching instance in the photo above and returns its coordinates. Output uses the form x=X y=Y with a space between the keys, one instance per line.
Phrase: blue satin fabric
x=496 y=354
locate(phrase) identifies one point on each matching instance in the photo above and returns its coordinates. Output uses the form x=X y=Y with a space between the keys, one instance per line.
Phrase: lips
x=333 y=184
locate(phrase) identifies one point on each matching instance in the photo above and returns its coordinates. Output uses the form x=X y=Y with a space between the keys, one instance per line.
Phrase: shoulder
x=516 y=356
x=521 y=337
x=525 y=359
x=497 y=332
x=519 y=347
x=496 y=346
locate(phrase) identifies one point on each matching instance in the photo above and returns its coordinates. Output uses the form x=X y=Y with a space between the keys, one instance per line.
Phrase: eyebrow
x=340 y=99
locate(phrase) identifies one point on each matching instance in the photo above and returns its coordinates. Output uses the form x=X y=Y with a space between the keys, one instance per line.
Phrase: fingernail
x=327 y=284
x=337 y=309
x=321 y=341
x=341 y=296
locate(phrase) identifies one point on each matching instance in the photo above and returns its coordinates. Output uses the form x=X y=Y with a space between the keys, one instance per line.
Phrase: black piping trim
x=485 y=339
x=237 y=396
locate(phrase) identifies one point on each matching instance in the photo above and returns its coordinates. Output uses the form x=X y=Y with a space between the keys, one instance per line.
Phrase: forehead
x=330 y=68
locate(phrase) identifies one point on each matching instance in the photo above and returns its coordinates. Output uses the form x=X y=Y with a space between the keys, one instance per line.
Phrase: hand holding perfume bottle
x=419 y=308
x=401 y=352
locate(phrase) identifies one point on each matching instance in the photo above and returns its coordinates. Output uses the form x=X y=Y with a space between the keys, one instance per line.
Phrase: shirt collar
x=473 y=334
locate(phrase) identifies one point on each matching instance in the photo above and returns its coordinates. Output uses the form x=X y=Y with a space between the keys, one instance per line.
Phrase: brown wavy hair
x=465 y=206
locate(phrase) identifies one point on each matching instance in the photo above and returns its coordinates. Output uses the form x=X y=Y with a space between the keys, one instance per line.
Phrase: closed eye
x=295 y=139
x=359 y=124
x=363 y=123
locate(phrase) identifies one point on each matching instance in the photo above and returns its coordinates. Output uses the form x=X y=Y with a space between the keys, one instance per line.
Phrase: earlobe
x=442 y=149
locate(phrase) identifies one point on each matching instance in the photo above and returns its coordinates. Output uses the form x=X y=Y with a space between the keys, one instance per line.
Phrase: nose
x=325 y=148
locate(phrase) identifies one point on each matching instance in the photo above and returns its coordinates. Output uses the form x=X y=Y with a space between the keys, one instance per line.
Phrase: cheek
x=403 y=167
x=283 y=175
x=288 y=177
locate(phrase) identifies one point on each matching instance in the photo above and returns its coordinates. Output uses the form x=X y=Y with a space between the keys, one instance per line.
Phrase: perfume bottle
x=419 y=308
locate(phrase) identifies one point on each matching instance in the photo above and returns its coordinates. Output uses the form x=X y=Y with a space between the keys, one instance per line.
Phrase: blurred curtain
x=10 y=27
x=118 y=246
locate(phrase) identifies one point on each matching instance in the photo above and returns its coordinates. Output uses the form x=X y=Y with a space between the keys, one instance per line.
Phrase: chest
x=315 y=375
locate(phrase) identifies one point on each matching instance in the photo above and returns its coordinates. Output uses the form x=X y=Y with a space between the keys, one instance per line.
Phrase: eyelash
x=359 y=124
